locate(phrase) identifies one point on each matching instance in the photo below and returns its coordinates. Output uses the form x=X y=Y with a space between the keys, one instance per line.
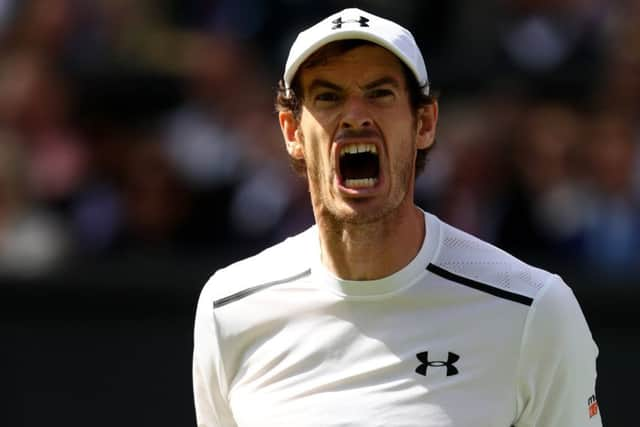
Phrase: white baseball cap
x=357 y=24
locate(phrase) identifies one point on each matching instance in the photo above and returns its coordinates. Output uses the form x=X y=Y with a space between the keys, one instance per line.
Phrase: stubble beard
x=337 y=220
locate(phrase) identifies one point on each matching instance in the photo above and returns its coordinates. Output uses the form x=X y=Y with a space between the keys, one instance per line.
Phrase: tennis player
x=381 y=314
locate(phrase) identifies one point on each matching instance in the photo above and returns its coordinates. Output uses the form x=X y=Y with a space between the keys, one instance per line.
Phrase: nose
x=356 y=114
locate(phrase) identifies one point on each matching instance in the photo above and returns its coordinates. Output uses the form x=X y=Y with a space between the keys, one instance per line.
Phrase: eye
x=381 y=94
x=327 y=97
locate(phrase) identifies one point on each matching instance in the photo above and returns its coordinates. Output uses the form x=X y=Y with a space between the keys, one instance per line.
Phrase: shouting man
x=381 y=314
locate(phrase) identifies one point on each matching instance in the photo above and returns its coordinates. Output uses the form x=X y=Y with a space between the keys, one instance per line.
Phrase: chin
x=359 y=214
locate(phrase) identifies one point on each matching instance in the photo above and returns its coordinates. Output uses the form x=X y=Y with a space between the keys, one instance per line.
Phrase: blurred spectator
x=34 y=104
x=622 y=79
x=42 y=27
x=612 y=241
x=200 y=137
x=228 y=147
x=468 y=166
x=155 y=203
x=32 y=240
x=556 y=46
x=544 y=213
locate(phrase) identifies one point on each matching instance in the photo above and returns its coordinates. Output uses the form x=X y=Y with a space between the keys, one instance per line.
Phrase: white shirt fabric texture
x=464 y=335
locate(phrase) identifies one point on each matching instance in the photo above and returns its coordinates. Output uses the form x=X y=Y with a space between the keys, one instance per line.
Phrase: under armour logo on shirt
x=424 y=358
x=338 y=22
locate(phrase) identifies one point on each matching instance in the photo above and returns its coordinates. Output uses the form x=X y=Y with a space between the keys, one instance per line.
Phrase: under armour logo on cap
x=337 y=23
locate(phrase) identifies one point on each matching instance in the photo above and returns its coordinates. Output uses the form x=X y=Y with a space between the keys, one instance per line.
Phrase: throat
x=371 y=251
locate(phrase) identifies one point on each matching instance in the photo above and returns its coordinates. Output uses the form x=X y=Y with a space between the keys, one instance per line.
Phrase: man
x=381 y=314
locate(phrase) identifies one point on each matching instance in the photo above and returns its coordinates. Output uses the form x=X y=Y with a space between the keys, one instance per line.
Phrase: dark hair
x=290 y=101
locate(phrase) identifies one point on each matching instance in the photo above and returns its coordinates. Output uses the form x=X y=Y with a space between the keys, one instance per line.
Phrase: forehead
x=359 y=65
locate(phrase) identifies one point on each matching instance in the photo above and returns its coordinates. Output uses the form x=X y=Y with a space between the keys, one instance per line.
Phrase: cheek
x=401 y=135
x=402 y=153
x=398 y=120
x=310 y=152
x=316 y=143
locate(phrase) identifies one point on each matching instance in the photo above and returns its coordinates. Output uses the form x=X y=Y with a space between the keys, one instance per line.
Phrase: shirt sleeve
x=557 y=367
x=209 y=379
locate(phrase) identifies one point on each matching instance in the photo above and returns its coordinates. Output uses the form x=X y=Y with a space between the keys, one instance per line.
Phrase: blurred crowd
x=148 y=126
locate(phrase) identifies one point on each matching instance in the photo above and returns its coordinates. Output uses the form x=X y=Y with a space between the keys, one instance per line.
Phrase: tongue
x=358 y=166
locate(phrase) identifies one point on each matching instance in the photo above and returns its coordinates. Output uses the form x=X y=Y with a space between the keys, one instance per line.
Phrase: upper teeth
x=358 y=148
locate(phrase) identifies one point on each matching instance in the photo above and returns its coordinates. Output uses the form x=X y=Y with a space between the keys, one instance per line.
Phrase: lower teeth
x=361 y=183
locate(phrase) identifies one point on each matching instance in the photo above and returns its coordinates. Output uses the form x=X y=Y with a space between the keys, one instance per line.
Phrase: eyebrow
x=321 y=83
x=381 y=82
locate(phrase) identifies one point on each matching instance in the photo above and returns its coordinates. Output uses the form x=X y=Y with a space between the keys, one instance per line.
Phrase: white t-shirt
x=464 y=335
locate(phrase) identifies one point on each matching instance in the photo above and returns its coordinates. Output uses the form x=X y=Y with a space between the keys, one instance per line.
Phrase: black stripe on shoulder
x=246 y=292
x=501 y=293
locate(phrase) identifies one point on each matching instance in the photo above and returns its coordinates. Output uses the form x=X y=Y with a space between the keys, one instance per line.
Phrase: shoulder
x=470 y=261
x=282 y=262
x=551 y=304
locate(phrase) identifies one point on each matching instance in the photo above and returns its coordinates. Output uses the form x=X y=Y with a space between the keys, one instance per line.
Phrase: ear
x=427 y=119
x=290 y=132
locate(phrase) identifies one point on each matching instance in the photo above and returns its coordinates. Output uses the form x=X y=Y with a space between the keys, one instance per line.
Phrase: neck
x=374 y=250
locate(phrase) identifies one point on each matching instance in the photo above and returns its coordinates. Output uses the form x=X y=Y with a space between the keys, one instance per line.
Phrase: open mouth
x=359 y=165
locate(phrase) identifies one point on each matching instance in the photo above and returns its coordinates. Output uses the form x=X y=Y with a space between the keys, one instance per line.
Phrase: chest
x=406 y=364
